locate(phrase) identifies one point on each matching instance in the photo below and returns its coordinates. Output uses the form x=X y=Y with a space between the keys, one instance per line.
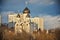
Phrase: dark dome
x=18 y=15
x=26 y=10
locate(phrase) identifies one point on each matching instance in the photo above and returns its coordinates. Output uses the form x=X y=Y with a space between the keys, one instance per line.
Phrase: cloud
x=42 y=2
x=51 y=21
x=5 y=16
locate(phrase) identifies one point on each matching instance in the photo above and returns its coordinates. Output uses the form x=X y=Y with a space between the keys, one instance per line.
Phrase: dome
x=26 y=10
x=18 y=15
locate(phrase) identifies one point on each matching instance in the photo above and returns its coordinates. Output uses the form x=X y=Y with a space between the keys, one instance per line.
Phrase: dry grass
x=8 y=34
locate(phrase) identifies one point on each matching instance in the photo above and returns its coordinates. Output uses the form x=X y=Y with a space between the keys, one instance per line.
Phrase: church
x=23 y=21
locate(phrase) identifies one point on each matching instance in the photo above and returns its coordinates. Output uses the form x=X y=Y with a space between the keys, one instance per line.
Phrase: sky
x=47 y=9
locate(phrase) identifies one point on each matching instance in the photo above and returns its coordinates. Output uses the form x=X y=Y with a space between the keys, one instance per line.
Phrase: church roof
x=26 y=10
x=18 y=15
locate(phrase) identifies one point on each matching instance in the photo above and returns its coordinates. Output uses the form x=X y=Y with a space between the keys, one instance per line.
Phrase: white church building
x=23 y=21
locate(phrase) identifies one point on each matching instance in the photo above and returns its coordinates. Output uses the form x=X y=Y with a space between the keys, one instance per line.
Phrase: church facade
x=23 y=22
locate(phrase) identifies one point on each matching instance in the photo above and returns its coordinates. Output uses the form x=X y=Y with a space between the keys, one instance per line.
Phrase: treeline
x=8 y=34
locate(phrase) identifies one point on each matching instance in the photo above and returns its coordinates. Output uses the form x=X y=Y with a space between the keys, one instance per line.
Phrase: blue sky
x=41 y=8
x=37 y=7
